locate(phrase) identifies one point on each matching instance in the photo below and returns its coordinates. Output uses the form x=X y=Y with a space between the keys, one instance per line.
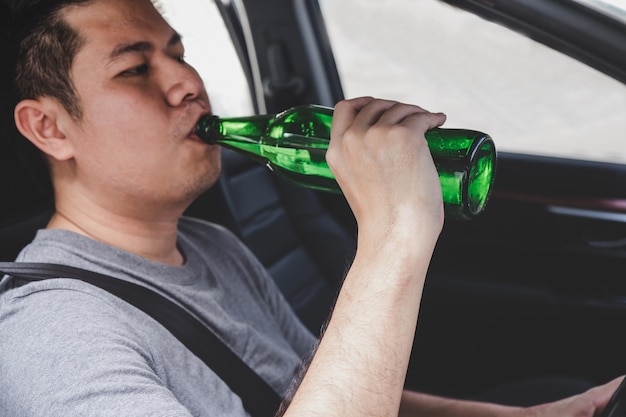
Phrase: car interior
x=534 y=286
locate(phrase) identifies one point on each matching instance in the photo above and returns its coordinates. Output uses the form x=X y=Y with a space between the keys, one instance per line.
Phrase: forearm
x=360 y=364
x=381 y=160
x=416 y=404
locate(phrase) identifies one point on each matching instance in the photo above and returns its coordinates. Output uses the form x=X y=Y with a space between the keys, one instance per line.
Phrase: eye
x=134 y=71
x=181 y=59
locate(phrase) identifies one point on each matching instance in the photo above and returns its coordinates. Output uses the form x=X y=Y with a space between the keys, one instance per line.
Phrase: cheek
x=117 y=149
x=129 y=132
x=124 y=109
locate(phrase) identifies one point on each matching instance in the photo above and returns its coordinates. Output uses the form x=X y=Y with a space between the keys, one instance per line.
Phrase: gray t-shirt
x=70 y=349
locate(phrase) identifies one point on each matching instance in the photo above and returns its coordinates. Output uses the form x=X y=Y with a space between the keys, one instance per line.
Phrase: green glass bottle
x=293 y=144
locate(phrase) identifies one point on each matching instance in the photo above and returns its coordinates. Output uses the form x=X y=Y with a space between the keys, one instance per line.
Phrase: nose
x=183 y=84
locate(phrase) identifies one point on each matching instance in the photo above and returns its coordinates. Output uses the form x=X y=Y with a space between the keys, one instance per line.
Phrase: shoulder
x=66 y=315
x=68 y=350
x=37 y=311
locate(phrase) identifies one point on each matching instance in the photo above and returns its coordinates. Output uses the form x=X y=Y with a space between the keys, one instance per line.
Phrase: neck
x=146 y=235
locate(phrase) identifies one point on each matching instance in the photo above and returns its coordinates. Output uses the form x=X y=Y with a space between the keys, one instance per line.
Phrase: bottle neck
x=214 y=130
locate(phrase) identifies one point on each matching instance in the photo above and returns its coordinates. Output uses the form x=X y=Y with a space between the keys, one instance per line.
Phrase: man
x=109 y=99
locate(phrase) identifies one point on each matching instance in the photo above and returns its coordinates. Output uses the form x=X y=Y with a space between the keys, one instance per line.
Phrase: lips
x=192 y=133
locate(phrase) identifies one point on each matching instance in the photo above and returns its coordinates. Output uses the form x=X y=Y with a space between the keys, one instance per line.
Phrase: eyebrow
x=142 y=46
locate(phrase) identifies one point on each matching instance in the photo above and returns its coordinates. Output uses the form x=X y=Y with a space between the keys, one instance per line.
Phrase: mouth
x=192 y=133
x=193 y=136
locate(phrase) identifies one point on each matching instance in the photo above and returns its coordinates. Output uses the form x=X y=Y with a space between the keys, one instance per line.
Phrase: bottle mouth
x=208 y=128
x=481 y=177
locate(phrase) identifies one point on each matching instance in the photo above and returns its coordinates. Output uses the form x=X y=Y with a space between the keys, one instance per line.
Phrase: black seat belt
x=258 y=398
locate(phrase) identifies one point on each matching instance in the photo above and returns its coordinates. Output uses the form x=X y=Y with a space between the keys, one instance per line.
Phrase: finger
x=414 y=117
x=398 y=112
x=364 y=112
x=388 y=113
x=345 y=113
x=371 y=113
x=424 y=121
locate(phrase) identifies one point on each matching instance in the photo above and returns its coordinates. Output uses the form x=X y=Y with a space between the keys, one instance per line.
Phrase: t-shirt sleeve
x=69 y=353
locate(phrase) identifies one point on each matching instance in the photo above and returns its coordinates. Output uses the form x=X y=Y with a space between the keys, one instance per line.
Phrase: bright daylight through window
x=481 y=75
x=427 y=52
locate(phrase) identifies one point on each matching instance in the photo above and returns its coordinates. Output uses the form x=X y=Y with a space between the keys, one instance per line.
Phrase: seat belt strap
x=258 y=398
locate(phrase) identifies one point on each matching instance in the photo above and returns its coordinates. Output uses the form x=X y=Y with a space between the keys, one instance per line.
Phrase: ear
x=38 y=121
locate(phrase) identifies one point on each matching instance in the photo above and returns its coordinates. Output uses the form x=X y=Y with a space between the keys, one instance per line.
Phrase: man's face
x=140 y=101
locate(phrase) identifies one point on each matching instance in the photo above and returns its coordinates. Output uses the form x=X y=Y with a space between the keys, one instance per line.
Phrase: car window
x=614 y=8
x=530 y=98
x=208 y=47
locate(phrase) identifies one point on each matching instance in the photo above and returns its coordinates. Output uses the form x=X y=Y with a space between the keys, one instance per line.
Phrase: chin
x=201 y=183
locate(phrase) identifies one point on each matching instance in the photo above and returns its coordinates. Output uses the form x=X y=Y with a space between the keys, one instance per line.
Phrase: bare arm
x=380 y=158
x=587 y=404
x=417 y=404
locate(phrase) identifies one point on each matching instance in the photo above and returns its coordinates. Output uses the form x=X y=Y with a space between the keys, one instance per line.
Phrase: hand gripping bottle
x=293 y=144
